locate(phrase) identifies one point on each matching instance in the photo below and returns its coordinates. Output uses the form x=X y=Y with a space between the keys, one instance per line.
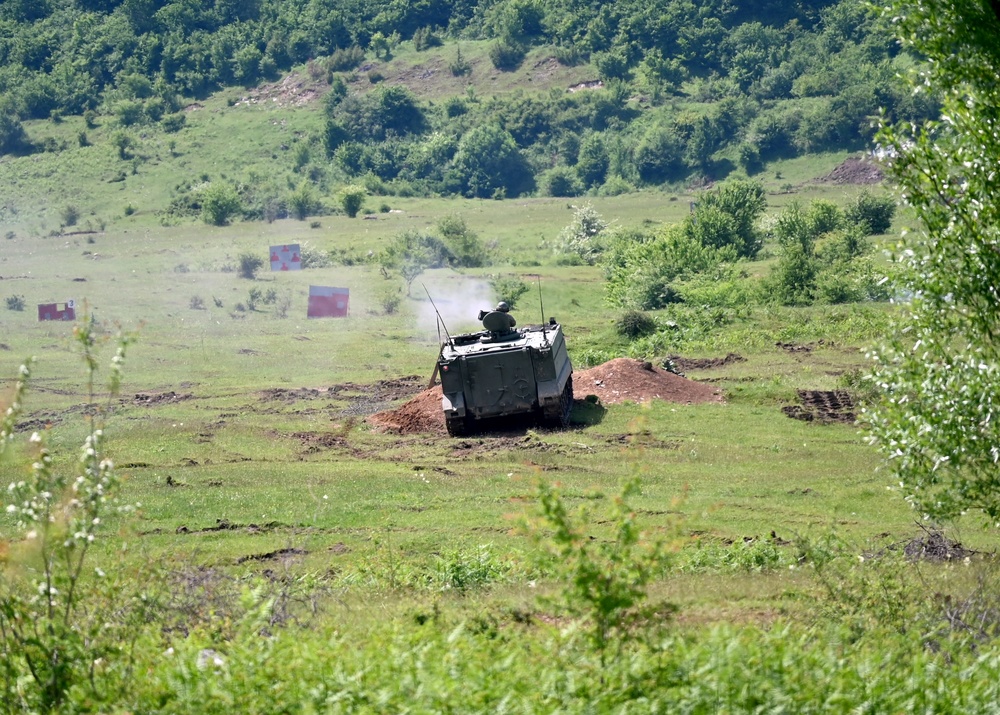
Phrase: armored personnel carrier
x=502 y=371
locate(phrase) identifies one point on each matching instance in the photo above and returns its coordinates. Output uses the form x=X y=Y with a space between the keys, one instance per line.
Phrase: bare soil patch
x=294 y=90
x=420 y=414
x=856 y=170
x=630 y=380
x=159 y=398
x=685 y=364
x=823 y=406
x=361 y=399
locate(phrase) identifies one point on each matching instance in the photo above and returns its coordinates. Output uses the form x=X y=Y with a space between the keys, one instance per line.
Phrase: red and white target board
x=286 y=258
x=57 y=311
x=325 y=302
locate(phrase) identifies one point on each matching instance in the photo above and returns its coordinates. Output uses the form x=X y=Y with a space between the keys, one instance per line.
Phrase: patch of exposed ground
x=294 y=90
x=420 y=414
x=685 y=364
x=272 y=555
x=159 y=398
x=619 y=380
x=931 y=545
x=629 y=380
x=856 y=170
x=823 y=406
x=361 y=399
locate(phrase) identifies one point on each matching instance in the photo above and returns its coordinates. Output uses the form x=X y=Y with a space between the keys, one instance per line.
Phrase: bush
x=313 y=257
x=15 y=302
x=508 y=289
x=345 y=60
x=560 y=181
x=873 y=213
x=634 y=324
x=70 y=214
x=459 y=66
x=249 y=264
x=507 y=55
x=582 y=237
x=219 y=203
x=352 y=199
x=464 y=243
x=302 y=202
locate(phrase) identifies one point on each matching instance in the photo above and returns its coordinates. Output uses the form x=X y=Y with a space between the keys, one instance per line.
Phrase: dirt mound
x=685 y=364
x=823 y=406
x=856 y=171
x=629 y=380
x=159 y=398
x=420 y=414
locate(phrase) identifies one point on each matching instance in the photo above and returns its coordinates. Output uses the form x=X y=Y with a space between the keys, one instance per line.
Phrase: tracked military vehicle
x=502 y=371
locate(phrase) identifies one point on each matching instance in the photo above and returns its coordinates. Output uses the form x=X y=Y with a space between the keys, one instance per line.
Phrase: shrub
x=219 y=203
x=605 y=580
x=302 y=202
x=346 y=59
x=249 y=264
x=582 y=237
x=352 y=199
x=634 y=324
x=196 y=303
x=873 y=213
x=506 y=55
x=390 y=301
x=468 y=250
x=70 y=214
x=459 y=66
x=313 y=257
x=51 y=634
x=15 y=302
x=508 y=289
x=560 y=181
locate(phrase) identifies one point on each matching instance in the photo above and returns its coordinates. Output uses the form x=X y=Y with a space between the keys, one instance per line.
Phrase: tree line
x=689 y=89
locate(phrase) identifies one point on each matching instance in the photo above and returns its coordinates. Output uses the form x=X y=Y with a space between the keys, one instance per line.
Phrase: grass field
x=348 y=569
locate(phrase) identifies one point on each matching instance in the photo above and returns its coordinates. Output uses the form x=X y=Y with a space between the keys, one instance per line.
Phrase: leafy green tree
x=219 y=203
x=659 y=156
x=939 y=374
x=560 y=181
x=410 y=253
x=352 y=199
x=643 y=271
x=582 y=237
x=727 y=216
x=463 y=242
x=488 y=161
x=508 y=288
x=302 y=202
x=12 y=135
x=872 y=213
x=122 y=141
x=592 y=160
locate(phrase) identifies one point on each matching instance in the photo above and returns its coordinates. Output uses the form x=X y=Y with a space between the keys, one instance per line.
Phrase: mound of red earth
x=619 y=380
x=629 y=380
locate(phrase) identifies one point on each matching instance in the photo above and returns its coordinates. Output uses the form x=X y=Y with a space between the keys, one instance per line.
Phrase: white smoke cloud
x=458 y=299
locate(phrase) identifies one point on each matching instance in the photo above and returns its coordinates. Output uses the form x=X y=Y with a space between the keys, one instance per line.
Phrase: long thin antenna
x=436 y=312
x=541 y=307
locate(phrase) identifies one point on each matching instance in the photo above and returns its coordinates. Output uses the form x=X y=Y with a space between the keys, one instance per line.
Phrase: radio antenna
x=440 y=320
x=541 y=306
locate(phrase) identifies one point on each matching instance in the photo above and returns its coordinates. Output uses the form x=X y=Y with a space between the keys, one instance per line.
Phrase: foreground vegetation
x=220 y=527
